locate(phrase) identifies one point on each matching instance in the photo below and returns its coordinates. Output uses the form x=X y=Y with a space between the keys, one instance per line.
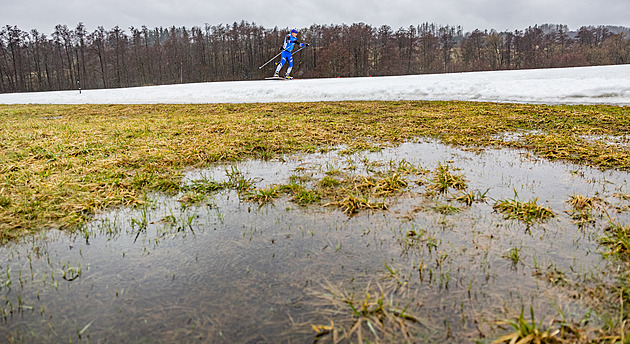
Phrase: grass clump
x=350 y=192
x=528 y=332
x=300 y=194
x=305 y=196
x=191 y=198
x=405 y=168
x=357 y=192
x=617 y=238
x=329 y=182
x=237 y=180
x=527 y=212
x=558 y=330
x=389 y=185
x=581 y=202
x=583 y=209
x=470 y=197
x=371 y=316
x=446 y=209
x=443 y=179
x=204 y=185
x=513 y=254
x=353 y=204
x=264 y=195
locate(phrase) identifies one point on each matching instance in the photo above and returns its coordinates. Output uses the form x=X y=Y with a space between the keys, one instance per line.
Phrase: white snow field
x=583 y=85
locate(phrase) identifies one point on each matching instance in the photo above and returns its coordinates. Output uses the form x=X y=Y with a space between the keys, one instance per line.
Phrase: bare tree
x=113 y=58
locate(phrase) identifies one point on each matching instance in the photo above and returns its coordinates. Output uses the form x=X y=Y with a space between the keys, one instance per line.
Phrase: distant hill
x=618 y=29
x=548 y=28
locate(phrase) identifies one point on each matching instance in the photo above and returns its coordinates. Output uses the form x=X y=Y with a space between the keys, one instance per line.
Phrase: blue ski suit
x=287 y=48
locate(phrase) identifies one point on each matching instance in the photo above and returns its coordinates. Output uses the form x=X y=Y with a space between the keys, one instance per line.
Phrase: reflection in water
x=219 y=268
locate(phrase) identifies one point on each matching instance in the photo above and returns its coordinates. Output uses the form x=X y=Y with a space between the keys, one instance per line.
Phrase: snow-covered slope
x=585 y=85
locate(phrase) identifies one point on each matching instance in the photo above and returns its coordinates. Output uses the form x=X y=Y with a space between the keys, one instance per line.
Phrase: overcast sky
x=501 y=15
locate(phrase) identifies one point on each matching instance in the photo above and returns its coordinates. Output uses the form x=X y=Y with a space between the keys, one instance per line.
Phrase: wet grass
x=368 y=316
x=470 y=197
x=584 y=209
x=303 y=196
x=444 y=179
x=446 y=209
x=617 y=238
x=354 y=192
x=353 y=204
x=342 y=188
x=62 y=163
x=513 y=254
x=528 y=212
x=264 y=195
x=528 y=332
x=581 y=202
x=387 y=312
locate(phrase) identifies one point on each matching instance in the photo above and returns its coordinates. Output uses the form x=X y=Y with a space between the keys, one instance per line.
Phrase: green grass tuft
x=527 y=212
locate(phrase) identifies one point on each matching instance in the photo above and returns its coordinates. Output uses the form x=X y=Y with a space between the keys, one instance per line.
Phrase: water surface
x=226 y=269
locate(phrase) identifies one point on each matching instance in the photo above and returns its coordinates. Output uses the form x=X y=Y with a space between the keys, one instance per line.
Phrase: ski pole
x=273 y=58
x=280 y=53
x=295 y=52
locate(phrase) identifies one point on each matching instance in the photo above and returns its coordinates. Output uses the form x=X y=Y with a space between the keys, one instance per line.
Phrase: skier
x=289 y=42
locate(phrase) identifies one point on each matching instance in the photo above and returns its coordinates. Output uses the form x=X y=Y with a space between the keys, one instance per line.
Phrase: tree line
x=72 y=58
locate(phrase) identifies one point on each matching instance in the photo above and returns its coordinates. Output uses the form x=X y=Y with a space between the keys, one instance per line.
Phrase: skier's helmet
x=294 y=31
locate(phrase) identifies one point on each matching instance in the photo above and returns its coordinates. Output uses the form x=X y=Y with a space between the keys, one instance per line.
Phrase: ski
x=277 y=78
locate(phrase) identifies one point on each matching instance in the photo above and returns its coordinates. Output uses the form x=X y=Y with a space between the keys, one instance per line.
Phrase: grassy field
x=62 y=163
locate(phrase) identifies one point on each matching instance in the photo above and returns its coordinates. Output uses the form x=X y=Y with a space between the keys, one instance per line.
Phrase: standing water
x=415 y=263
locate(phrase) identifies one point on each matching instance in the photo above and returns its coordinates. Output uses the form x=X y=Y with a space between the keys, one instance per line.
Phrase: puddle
x=225 y=269
x=619 y=141
x=516 y=136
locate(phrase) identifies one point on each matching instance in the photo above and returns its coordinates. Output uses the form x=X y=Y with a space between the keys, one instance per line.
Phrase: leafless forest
x=71 y=58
